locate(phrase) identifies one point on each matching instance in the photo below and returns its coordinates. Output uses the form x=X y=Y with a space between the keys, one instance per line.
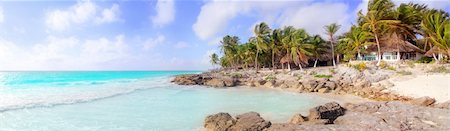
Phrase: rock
x=444 y=105
x=229 y=82
x=269 y=84
x=328 y=111
x=361 y=84
x=323 y=90
x=250 y=121
x=310 y=85
x=331 y=85
x=218 y=122
x=423 y=101
x=215 y=83
x=260 y=82
x=297 y=119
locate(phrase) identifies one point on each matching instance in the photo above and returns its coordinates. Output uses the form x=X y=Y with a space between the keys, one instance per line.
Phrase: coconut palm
x=214 y=59
x=275 y=41
x=318 y=48
x=331 y=31
x=437 y=29
x=295 y=44
x=357 y=39
x=228 y=46
x=261 y=32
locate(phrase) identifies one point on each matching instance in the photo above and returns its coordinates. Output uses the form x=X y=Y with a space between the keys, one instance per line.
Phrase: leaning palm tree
x=296 y=46
x=357 y=39
x=379 y=19
x=214 y=59
x=331 y=31
x=261 y=31
x=228 y=46
x=437 y=29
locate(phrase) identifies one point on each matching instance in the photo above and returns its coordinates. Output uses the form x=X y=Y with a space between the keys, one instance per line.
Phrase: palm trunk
x=434 y=56
x=273 y=60
x=300 y=65
x=315 y=63
x=379 y=49
x=289 y=66
x=338 y=56
x=256 y=60
x=332 y=51
x=359 y=56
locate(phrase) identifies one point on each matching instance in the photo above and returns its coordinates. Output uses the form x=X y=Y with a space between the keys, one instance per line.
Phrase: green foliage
x=270 y=77
x=404 y=72
x=361 y=66
x=424 y=60
x=236 y=75
x=322 y=76
x=439 y=69
x=391 y=68
x=383 y=65
x=332 y=71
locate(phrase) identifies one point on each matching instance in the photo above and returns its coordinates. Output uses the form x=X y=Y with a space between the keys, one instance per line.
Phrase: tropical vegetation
x=290 y=47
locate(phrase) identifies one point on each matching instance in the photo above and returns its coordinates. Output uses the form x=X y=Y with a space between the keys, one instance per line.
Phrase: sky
x=151 y=35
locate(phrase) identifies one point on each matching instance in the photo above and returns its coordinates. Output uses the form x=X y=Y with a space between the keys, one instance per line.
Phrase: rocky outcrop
x=250 y=121
x=444 y=105
x=369 y=116
x=219 y=122
x=326 y=113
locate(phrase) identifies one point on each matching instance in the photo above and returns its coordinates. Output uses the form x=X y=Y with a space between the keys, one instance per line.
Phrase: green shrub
x=404 y=72
x=361 y=66
x=322 y=76
x=270 y=77
x=391 y=68
x=424 y=60
x=439 y=69
x=383 y=65
x=333 y=71
x=236 y=75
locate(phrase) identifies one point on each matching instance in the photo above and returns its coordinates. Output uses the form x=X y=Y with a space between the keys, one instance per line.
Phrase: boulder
x=270 y=84
x=218 y=122
x=297 y=119
x=282 y=127
x=250 y=121
x=423 y=101
x=229 y=82
x=330 y=84
x=215 y=83
x=329 y=111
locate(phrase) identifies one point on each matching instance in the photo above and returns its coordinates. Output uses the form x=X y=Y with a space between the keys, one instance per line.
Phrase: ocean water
x=130 y=100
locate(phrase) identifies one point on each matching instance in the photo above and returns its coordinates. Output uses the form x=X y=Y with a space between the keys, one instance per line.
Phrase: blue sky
x=150 y=35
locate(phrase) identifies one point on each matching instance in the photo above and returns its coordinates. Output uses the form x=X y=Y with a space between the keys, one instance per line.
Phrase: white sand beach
x=433 y=85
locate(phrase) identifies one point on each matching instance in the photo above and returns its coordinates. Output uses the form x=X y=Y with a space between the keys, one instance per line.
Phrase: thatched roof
x=393 y=43
x=435 y=50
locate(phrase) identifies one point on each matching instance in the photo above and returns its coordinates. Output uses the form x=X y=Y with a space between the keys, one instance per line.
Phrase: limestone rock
x=323 y=90
x=423 y=101
x=444 y=105
x=250 y=121
x=329 y=111
x=297 y=119
x=215 y=83
x=218 y=122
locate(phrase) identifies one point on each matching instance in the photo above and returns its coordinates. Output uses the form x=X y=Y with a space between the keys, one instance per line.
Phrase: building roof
x=393 y=43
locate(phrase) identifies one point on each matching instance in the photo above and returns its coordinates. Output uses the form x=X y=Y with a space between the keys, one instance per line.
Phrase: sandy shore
x=434 y=85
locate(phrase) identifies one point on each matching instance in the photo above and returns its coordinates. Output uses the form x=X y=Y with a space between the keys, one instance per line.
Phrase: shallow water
x=130 y=101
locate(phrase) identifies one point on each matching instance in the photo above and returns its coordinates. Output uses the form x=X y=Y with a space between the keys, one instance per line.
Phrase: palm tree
x=357 y=39
x=214 y=59
x=378 y=20
x=275 y=41
x=437 y=29
x=331 y=31
x=295 y=44
x=261 y=31
x=318 y=48
x=228 y=46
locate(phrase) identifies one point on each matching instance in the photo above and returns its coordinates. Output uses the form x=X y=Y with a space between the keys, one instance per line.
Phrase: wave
x=37 y=97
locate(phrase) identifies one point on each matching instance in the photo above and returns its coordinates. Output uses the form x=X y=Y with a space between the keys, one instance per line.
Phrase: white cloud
x=438 y=4
x=80 y=13
x=314 y=17
x=181 y=45
x=150 y=43
x=109 y=15
x=165 y=13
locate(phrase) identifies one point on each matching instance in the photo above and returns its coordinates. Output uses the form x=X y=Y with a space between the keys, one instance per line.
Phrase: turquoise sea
x=130 y=100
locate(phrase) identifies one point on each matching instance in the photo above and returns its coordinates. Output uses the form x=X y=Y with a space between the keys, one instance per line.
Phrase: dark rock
x=218 y=122
x=250 y=121
x=423 y=101
x=328 y=111
x=331 y=85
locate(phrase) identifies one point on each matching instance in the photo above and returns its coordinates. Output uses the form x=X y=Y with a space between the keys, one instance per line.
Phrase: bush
x=391 y=68
x=333 y=71
x=424 y=60
x=383 y=65
x=404 y=72
x=322 y=76
x=270 y=77
x=439 y=69
x=361 y=66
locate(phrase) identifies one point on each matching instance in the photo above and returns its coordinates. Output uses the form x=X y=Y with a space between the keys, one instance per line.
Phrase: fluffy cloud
x=215 y=15
x=165 y=13
x=151 y=43
x=313 y=17
x=65 y=53
x=438 y=4
x=82 y=12
x=109 y=15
